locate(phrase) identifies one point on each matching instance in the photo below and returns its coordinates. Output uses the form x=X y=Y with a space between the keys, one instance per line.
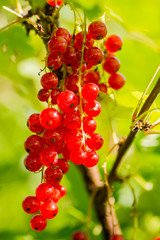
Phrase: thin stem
x=12 y=11
x=75 y=17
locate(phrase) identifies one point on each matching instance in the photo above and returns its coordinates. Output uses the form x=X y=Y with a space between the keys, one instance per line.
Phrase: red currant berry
x=49 y=157
x=90 y=91
x=57 y=45
x=72 y=56
x=50 y=118
x=78 y=156
x=71 y=82
x=33 y=123
x=54 y=62
x=49 y=80
x=53 y=176
x=61 y=189
x=116 y=81
x=89 y=125
x=93 y=56
x=78 y=41
x=113 y=43
x=79 y=235
x=66 y=152
x=97 y=30
x=67 y=101
x=103 y=87
x=34 y=145
x=43 y=95
x=44 y=192
x=49 y=209
x=75 y=142
x=71 y=120
x=91 y=159
x=56 y=195
x=92 y=77
x=53 y=139
x=111 y=65
x=117 y=237
x=32 y=163
x=54 y=95
x=31 y=204
x=62 y=32
x=63 y=164
x=38 y=223
x=92 y=109
x=95 y=141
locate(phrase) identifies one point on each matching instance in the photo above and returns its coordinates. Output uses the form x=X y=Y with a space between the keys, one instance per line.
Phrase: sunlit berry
x=33 y=123
x=31 y=204
x=93 y=56
x=97 y=30
x=116 y=81
x=67 y=101
x=49 y=80
x=113 y=43
x=32 y=163
x=50 y=118
x=91 y=159
x=38 y=223
x=44 y=192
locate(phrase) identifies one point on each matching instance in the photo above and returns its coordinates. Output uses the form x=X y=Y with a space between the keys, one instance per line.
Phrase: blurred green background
x=21 y=58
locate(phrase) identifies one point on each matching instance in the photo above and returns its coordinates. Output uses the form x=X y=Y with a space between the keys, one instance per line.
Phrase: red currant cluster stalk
x=67 y=130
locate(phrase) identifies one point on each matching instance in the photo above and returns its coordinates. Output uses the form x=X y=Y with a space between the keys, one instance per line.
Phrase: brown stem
x=123 y=149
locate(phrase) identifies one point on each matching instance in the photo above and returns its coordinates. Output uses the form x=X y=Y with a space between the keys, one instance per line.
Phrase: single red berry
x=111 y=65
x=33 y=123
x=49 y=157
x=97 y=30
x=78 y=41
x=50 y=118
x=75 y=141
x=71 y=82
x=113 y=43
x=79 y=235
x=54 y=95
x=63 y=164
x=92 y=109
x=57 y=45
x=49 y=209
x=64 y=33
x=61 y=189
x=93 y=56
x=54 y=61
x=34 y=145
x=66 y=152
x=103 y=87
x=89 y=125
x=49 y=80
x=53 y=139
x=44 y=192
x=32 y=163
x=90 y=91
x=38 y=223
x=43 y=95
x=92 y=77
x=31 y=204
x=67 y=101
x=91 y=159
x=71 y=120
x=117 y=237
x=52 y=2
x=116 y=81
x=78 y=156
x=53 y=176
x=72 y=56
x=95 y=141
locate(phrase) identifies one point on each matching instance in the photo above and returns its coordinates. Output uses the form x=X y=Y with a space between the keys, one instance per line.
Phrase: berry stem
x=75 y=17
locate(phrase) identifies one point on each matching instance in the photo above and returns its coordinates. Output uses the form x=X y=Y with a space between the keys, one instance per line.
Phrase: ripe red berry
x=103 y=87
x=62 y=32
x=95 y=141
x=72 y=56
x=111 y=65
x=49 y=157
x=50 y=118
x=44 y=192
x=43 y=95
x=116 y=81
x=33 y=123
x=57 y=45
x=38 y=223
x=67 y=101
x=92 y=109
x=71 y=82
x=78 y=41
x=89 y=125
x=54 y=95
x=54 y=62
x=71 y=120
x=93 y=56
x=97 y=30
x=117 y=237
x=49 y=209
x=79 y=235
x=113 y=43
x=78 y=156
x=32 y=163
x=91 y=159
x=31 y=204
x=49 y=80
x=92 y=77
x=53 y=139
x=53 y=175
x=62 y=189
x=90 y=91
x=75 y=141
x=34 y=145
x=63 y=164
